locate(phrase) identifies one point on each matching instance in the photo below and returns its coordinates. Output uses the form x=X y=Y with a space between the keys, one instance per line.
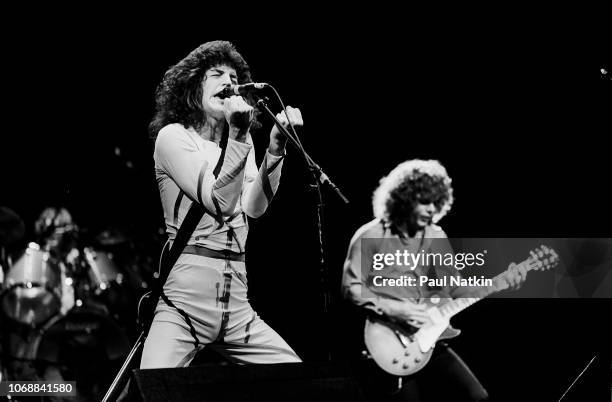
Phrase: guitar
x=401 y=349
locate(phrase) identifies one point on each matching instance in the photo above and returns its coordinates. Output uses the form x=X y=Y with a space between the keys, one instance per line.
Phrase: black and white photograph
x=190 y=213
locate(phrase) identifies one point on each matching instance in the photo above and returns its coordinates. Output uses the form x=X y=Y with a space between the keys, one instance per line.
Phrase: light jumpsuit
x=211 y=290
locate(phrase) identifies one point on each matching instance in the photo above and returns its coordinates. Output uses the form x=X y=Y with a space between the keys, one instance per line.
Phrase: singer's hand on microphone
x=278 y=139
x=239 y=116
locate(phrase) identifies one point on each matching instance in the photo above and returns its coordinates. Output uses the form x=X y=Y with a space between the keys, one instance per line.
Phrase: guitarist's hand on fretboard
x=515 y=276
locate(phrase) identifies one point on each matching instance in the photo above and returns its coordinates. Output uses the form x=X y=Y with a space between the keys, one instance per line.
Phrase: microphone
x=243 y=89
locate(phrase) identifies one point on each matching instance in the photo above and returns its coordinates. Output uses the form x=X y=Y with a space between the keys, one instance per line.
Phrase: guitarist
x=407 y=203
x=204 y=154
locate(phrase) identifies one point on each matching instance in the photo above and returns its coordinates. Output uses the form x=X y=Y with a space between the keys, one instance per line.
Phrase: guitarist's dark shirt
x=376 y=237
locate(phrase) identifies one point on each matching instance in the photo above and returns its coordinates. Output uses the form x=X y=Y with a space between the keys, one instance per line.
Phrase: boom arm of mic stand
x=316 y=169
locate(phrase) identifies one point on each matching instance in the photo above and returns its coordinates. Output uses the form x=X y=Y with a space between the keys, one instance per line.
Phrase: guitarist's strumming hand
x=415 y=314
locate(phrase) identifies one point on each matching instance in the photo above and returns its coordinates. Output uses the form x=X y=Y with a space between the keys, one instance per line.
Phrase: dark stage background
x=519 y=122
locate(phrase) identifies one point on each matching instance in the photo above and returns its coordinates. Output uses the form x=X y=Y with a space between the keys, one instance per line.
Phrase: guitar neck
x=455 y=306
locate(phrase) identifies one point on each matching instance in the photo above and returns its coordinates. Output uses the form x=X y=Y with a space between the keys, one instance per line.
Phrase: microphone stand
x=315 y=169
x=319 y=177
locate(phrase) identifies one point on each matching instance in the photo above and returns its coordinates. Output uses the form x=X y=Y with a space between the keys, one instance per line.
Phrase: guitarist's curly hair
x=411 y=182
x=178 y=98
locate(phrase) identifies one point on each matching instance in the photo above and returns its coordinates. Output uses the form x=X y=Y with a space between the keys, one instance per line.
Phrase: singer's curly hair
x=411 y=182
x=178 y=97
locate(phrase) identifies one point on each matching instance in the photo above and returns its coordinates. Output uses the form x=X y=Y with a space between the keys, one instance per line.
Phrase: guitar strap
x=431 y=268
x=171 y=254
x=424 y=246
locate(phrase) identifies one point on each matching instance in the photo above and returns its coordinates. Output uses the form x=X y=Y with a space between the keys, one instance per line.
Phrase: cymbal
x=12 y=227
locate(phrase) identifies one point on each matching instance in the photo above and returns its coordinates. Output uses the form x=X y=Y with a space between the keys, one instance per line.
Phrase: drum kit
x=67 y=306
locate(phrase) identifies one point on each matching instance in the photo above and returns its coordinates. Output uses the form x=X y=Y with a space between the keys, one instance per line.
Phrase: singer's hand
x=239 y=116
x=278 y=139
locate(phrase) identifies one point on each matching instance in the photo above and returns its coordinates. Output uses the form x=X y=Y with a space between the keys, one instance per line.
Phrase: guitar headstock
x=543 y=258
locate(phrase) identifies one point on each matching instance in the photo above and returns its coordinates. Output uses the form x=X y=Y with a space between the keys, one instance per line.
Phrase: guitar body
x=401 y=349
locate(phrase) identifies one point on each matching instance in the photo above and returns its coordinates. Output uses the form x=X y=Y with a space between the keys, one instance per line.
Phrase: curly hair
x=178 y=98
x=411 y=182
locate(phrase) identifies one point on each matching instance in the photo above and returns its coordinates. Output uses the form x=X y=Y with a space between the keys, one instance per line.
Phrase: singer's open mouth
x=219 y=97
x=221 y=94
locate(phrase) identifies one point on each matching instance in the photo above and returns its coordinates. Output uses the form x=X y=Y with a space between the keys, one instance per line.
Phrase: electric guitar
x=401 y=349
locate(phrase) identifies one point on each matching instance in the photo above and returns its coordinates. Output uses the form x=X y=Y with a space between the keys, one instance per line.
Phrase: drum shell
x=85 y=345
x=81 y=327
x=106 y=283
x=32 y=289
x=103 y=271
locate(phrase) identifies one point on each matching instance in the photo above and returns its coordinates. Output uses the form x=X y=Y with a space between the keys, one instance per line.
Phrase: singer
x=204 y=154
